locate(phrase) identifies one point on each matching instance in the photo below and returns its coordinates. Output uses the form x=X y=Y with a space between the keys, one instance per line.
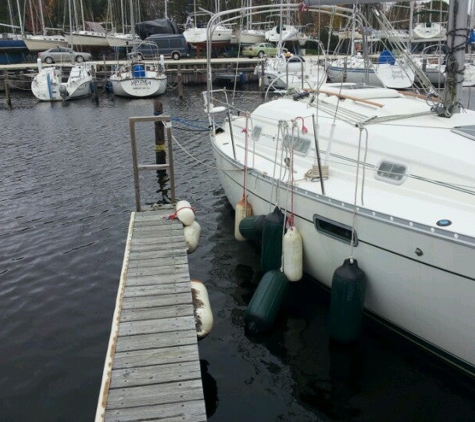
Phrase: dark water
x=66 y=190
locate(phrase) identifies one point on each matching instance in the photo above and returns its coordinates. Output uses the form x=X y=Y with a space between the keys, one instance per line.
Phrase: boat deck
x=152 y=369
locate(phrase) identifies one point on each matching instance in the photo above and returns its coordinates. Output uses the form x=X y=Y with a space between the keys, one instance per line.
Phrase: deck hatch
x=301 y=145
x=467 y=131
x=391 y=172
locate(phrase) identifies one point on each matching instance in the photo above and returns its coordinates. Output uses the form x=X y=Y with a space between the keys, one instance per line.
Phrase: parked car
x=63 y=54
x=171 y=45
x=168 y=45
x=259 y=50
x=144 y=51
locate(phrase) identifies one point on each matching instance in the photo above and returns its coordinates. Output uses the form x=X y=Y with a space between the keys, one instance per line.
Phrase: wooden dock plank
x=162 y=279
x=157 y=290
x=158 y=356
x=189 y=411
x=151 y=341
x=166 y=269
x=168 y=261
x=152 y=369
x=147 y=395
x=140 y=302
x=156 y=312
x=148 y=326
x=124 y=378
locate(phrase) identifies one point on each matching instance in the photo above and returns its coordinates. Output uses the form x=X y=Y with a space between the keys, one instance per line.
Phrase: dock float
x=152 y=369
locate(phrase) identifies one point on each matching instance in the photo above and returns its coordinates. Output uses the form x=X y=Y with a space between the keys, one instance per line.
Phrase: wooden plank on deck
x=152 y=369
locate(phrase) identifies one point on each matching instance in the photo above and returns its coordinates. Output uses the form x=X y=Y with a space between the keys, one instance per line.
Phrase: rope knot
x=174 y=216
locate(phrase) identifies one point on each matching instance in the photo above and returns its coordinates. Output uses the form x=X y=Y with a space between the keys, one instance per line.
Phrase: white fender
x=192 y=236
x=292 y=251
x=243 y=210
x=202 y=309
x=185 y=213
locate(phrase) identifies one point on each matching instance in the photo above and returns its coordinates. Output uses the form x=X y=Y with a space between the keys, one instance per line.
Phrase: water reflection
x=333 y=396
x=210 y=389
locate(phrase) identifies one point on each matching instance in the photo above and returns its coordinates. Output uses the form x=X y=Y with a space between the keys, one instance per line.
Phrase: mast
x=122 y=15
x=82 y=16
x=411 y=23
x=132 y=23
x=70 y=25
x=42 y=18
x=22 y=29
x=456 y=42
x=33 y=23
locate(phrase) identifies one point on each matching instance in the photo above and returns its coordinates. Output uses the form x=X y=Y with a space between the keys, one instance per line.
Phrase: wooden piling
x=160 y=150
x=7 y=93
x=180 y=82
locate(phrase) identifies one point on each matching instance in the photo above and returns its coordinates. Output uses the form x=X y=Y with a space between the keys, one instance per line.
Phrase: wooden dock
x=152 y=369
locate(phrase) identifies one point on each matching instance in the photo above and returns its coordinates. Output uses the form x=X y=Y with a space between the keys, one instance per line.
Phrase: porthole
x=335 y=229
x=256 y=133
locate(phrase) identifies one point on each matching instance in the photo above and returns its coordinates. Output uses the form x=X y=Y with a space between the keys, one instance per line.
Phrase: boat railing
x=163 y=122
x=211 y=109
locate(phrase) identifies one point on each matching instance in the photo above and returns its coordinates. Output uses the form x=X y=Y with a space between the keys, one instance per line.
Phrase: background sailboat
x=12 y=47
x=43 y=41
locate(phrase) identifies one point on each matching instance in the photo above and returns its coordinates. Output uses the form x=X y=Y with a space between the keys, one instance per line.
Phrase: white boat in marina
x=41 y=42
x=93 y=36
x=198 y=36
x=286 y=71
x=54 y=84
x=373 y=176
x=288 y=32
x=358 y=69
x=432 y=62
x=196 y=33
x=250 y=33
x=435 y=69
x=429 y=31
x=139 y=79
x=36 y=43
x=249 y=36
x=119 y=39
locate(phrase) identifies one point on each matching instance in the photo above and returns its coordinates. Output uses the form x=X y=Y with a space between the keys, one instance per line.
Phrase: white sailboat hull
x=138 y=82
x=138 y=88
x=419 y=272
x=87 y=39
x=301 y=73
x=122 y=40
x=380 y=74
x=250 y=36
x=36 y=43
x=47 y=85
x=220 y=37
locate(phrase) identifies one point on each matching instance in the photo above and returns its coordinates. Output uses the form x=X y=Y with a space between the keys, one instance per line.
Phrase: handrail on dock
x=168 y=165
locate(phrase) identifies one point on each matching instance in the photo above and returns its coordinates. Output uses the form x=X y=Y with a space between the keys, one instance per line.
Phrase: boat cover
x=158 y=26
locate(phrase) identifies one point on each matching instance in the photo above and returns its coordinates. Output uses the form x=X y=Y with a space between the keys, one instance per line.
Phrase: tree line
x=57 y=12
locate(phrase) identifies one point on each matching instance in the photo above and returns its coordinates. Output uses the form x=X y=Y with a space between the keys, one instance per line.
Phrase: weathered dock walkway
x=152 y=369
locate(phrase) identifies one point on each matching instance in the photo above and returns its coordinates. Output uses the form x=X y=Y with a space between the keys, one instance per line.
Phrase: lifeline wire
x=355 y=198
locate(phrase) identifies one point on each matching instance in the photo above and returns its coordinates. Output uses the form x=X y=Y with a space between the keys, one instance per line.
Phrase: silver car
x=63 y=55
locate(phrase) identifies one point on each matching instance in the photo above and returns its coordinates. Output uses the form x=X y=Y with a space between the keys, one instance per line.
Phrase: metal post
x=456 y=43
x=135 y=164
